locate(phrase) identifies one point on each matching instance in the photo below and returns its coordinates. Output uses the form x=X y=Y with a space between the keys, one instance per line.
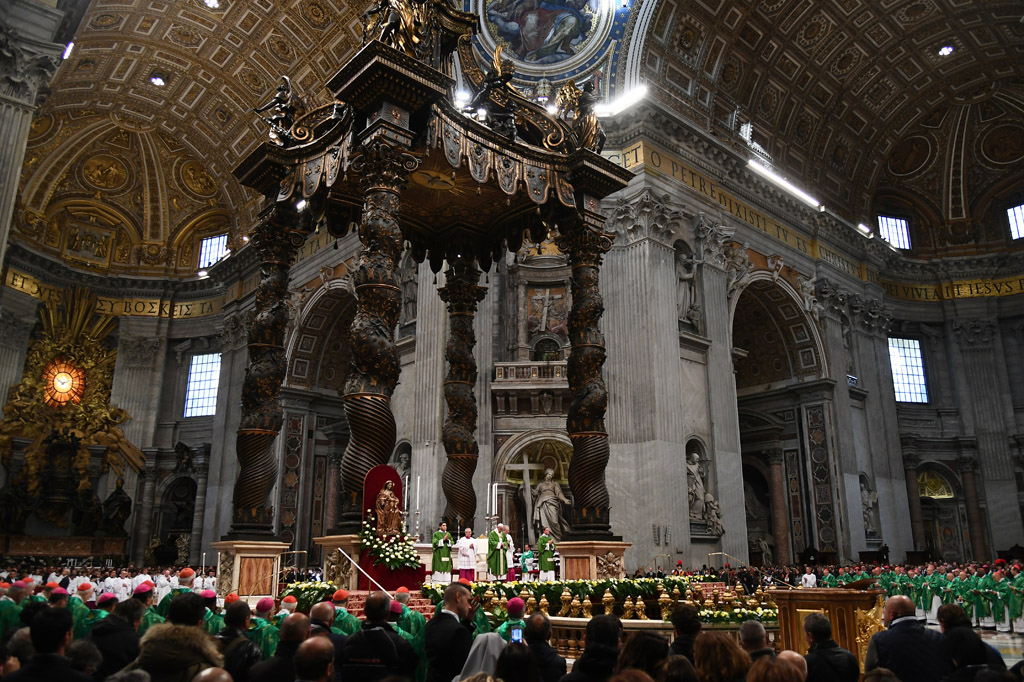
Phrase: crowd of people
x=66 y=630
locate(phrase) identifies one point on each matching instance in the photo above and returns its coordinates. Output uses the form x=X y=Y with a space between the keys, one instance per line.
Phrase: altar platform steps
x=357 y=598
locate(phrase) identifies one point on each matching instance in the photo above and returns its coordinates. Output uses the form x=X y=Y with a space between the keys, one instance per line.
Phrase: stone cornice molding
x=644 y=216
x=974 y=334
x=57 y=274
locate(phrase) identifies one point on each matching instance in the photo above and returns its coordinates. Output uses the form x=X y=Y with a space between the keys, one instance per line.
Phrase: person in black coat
x=448 y=636
x=321 y=618
x=117 y=637
x=826 y=660
x=240 y=654
x=597 y=662
x=537 y=634
x=377 y=651
x=911 y=651
x=295 y=629
x=50 y=631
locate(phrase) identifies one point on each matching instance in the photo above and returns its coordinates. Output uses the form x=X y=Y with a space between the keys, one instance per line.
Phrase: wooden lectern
x=855 y=616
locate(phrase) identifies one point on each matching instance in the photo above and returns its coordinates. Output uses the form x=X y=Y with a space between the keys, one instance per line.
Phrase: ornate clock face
x=62 y=383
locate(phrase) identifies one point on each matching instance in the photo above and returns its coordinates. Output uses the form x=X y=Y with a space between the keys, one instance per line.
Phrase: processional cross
x=526 y=467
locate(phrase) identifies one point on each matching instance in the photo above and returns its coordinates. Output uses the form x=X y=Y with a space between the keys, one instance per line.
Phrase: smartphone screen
x=517 y=634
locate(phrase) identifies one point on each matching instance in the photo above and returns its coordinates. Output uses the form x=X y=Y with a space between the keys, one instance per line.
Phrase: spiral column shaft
x=374 y=364
x=276 y=239
x=458 y=433
x=585 y=422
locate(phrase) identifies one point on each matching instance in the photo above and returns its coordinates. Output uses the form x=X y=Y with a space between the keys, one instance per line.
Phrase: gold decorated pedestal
x=592 y=559
x=855 y=616
x=250 y=569
x=337 y=568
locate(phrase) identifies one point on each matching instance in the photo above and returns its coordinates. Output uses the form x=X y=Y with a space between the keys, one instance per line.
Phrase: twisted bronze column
x=458 y=434
x=374 y=365
x=276 y=240
x=585 y=246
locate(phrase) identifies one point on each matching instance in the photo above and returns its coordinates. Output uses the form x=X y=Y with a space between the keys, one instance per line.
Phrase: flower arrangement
x=309 y=593
x=394 y=551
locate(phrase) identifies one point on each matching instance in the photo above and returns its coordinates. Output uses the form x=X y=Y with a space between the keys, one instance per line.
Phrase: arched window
x=547 y=350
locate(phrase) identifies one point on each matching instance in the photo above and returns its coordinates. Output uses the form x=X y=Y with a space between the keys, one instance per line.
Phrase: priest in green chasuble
x=442 y=560
x=546 y=556
x=499 y=542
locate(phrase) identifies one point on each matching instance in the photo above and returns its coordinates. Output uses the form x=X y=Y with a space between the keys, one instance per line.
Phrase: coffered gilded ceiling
x=831 y=86
x=836 y=91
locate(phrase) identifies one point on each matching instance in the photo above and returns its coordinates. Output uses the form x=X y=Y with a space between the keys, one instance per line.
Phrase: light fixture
x=864 y=229
x=552 y=109
x=782 y=182
x=621 y=103
x=245 y=238
x=202 y=274
x=68 y=49
x=945 y=50
x=158 y=79
x=212 y=4
x=462 y=98
x=301 y=206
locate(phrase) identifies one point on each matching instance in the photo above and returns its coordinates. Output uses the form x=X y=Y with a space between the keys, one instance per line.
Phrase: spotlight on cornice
x=68 y=49
x=625 y=101
x=301 y=205
x=462 y=98
x=782 y=182
x=865 y=230
x=203 y=274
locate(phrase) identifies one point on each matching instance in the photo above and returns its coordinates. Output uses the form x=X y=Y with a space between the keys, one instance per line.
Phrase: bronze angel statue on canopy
x=583 y=105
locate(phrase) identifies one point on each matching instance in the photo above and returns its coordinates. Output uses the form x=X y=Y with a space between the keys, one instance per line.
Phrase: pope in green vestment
x=498 y=543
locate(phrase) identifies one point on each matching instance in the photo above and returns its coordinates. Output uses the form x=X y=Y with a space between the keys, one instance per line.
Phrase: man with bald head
x=794 y=659
x=213 y=675
x=279 y=667
x=321 y=620
x=314 y=661
x=911 y=651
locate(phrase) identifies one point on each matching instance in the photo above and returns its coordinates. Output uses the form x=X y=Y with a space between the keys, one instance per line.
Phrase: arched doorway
x=531 y=456
x=785 y=408
x=942 y=515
